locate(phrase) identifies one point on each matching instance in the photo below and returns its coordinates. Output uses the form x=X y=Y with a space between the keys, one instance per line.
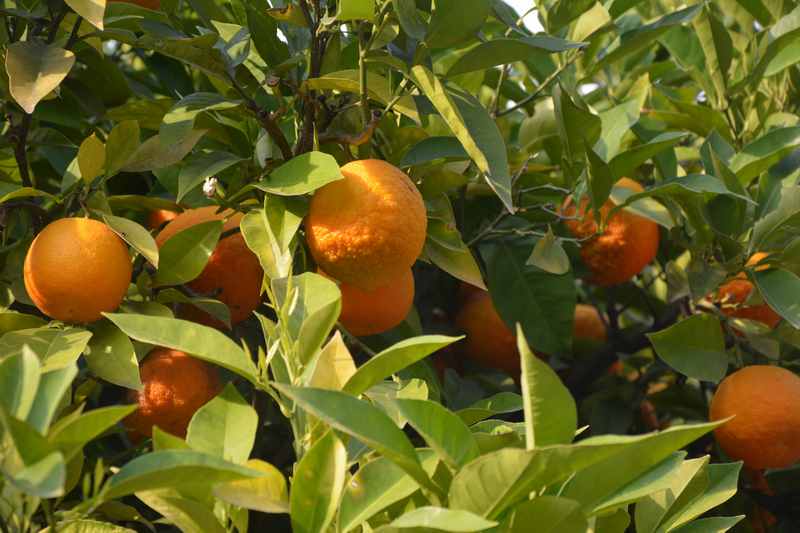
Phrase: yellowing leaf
x=334 y=367
x=92 y=11
x=34 y=70
x=91 y=158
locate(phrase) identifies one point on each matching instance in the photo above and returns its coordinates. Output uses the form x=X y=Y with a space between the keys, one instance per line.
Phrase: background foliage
x=115 y=110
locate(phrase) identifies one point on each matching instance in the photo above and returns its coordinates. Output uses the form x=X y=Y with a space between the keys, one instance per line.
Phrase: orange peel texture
x=175 y=387
x=628 y=244
x=76 y=269
x=765 y=432
x=366 y=312
x=489 y=341
x=368 y=228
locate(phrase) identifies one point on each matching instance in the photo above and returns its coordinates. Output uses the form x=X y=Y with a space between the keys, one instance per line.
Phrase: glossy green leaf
x=781 y=290
x=92 y=11
x=441 y=519
x=471 y=124
x=179 y=122
x=172 y=469
x=625 y=163
x=454 y=21
x=122 y=143
x=694 y=347
x=111 y=356
x=657 y=479
x=187 y=514
x=53 y=386
x=577 y=128
x=317 y=485
x=377 y=485
x=19 y=380
x=356 y=9
x=410 y=20
x=70 y=437
x=722 y=485
x=135 y=235
x=268 y=493
x=360 y=420
x=91 y=158
x=433 y=148
x=184 y=255
x=156 y=154
x=56 y=348
x=226 y=427
x=548 y=255
x=394 y=359
x=444 y=431
x=302 y=174
x=500 y=403
x=764 y=152
x=551 y=416
x=503 y=51
x=202 y=342
x=552 y=514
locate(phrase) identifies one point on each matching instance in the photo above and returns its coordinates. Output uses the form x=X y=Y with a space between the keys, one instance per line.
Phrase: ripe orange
x=628 y=244
x=734 y=293
x=766 y=430
x=232 y=275
x=368 y=228
x=159 y=217
x=175 y=387
x=589 y=325
x=370 y=312
x=490 y=342
x=77 y=268
x=149 y=4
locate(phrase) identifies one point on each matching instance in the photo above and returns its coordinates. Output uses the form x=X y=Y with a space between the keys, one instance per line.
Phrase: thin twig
x=272 y=128
x=546 y=83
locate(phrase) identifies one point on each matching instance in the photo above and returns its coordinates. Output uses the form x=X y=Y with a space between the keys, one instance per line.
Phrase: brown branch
x=272 y=128
x=306 y=139
x=18 y=137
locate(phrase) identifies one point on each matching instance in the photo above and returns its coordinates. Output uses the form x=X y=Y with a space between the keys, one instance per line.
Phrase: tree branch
x=263 y=116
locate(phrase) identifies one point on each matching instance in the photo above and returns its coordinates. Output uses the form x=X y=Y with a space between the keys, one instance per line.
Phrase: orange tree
x=241 y=242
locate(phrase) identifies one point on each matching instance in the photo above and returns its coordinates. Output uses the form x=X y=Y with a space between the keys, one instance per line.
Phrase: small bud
x=210 y=187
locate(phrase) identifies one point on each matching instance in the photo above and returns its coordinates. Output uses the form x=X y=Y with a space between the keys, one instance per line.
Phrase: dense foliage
x=116 y=111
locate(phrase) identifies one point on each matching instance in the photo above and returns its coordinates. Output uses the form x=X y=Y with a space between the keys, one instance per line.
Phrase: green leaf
x=444 y=245
x=552 y=514
x=313 y=303
x=577 y=128
x=13 y=321
x=694 y=347
x=213 y=307
x=444 y=431
x=549 y=256
x=440 y=519
x=53 y=386
x=765 y=152
x=394 y=359
x=200 y=166
x=454 y=21
x=551 y=416
x=317 y=485
x=378 y=88
x=332 y=367
x=716 y=524
x=471 y=124
x=88 y=526
x=497 y=480
x=722 y=486
x=356 y=10
x=542 y=303
x=615 y=123
x=433 y=148
x=202 y=342
x=184 y=255
x=155 y=154
x=718 y=50
x=267 y=494
x=302 y=174
x=778 y=227
x=19 y=380
x=364 y=422
x=264 y=34
x=179 y=121
x=269 y=232
x=377 y=485
x=71 y=436
x=640 y=38
x=93 y=11
x=122 y=143
x=489 y=54
x=781 y=290
x=657 y=479
x=135 y=235
x=565 y=11
x=187 y=515
x=500 y=403
x=111 y=357
x=410 y=20
x=35 y=70
x=91 y=158
x=56 y=348
x=225 y=427
x=172 y=469
x=625 y=163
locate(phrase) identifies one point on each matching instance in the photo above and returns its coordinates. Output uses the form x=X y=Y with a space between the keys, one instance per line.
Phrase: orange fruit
x=589 y=325
x=77 y=268
x=149 y=4
x=368 y=228
x=733 y=294
x=232 y=275
x=765 y=432
x=175 y=387
x=370 y=312
x=628 y=244
x=489 y=342
x=159 y=217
